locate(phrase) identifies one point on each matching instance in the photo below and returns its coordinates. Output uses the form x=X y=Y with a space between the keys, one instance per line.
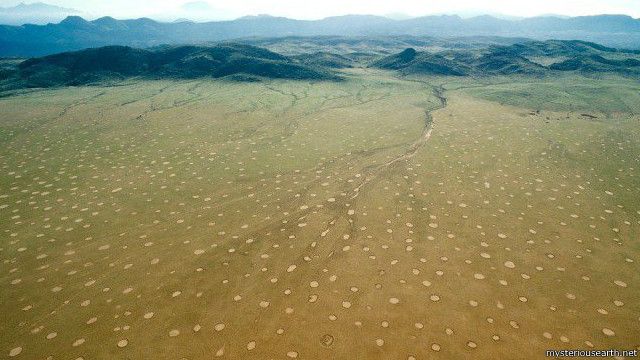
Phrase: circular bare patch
x=326 y=340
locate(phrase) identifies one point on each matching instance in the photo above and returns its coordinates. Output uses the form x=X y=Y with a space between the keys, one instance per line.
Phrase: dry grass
x=203 y=219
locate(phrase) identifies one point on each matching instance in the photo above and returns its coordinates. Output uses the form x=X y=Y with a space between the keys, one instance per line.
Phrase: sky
x=316 y=9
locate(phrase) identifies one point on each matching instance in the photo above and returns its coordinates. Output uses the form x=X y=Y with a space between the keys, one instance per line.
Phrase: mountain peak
x=74 y=20
x=408 y=53
x=105 y=19
x=610 y=30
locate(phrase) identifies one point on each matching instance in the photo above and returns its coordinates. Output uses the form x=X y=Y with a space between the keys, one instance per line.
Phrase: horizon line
x=409 y=18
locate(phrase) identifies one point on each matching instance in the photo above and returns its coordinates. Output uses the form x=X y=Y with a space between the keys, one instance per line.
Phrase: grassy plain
x=352 y=220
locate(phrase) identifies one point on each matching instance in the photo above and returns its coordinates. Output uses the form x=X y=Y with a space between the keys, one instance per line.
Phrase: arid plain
x=378 y=217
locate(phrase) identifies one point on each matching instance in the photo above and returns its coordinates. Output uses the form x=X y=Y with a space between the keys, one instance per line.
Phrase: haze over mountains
x=34 y=13
x=75 y=33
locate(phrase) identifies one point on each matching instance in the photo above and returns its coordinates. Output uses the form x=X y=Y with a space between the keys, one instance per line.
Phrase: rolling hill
x=412 y=61
x=528 y=58
x=183 y=62
x=250 y=63
x=599 y=64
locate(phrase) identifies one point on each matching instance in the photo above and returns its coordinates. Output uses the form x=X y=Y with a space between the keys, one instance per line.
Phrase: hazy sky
x=314 y=9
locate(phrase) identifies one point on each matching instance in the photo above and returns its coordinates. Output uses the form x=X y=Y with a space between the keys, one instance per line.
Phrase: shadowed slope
x=118 y=62
x=518 y=59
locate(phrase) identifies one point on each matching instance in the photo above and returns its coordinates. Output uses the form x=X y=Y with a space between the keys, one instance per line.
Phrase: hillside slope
x=534 y=58
x=119 y=62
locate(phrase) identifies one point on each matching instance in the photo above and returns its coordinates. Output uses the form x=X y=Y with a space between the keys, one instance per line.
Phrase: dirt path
x=438 y=92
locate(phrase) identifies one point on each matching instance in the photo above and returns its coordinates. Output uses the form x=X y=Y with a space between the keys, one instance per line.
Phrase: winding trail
x=438 y=92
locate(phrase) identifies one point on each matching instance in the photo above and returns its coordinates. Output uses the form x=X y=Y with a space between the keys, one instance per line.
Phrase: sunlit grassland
x=162 y=219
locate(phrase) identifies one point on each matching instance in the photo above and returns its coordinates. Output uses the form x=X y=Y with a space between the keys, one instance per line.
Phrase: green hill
x=500 y=63
x=397 y=61
x=411 y=61
x=531 y=58
x=326 y=59
x=561 y=48
x=114 y=63
x=598 y=64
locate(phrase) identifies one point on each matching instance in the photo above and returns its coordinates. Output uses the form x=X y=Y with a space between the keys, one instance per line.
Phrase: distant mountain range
x=75 y=33
x=35 y=13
